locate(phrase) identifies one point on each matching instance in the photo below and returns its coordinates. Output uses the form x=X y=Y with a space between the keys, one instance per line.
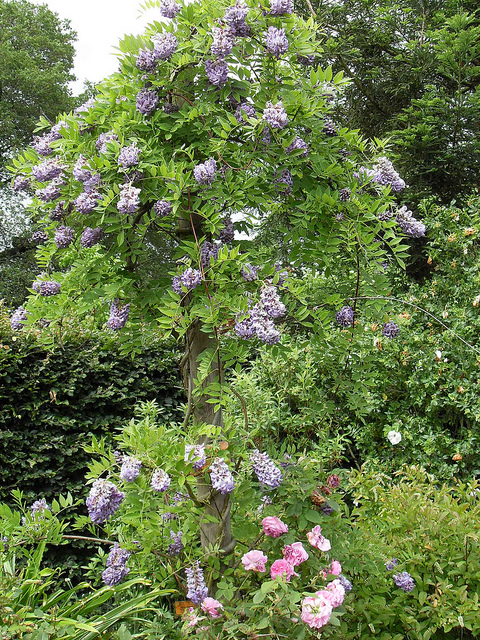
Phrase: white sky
x=100 y=24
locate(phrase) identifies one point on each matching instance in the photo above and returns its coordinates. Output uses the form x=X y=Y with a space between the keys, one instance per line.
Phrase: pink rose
x=254 y=561
x=316 y=539
x=334 y=593
x=316 y=611
x=274 y=527
x=282 y=568
x=211 y=606
x=295 y=553
x=336 y=568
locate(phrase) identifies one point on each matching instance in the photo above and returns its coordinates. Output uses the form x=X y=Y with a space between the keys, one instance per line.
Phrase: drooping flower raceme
x=386 y=175
x=217 y=72
x=298 y=144
x=91 y=237
x=221 y=476
x=254 y=561
x=404 y=580
x=275 y=115
x=119 y=313
x=276 y=41
x=164 y=45
x=408 y=224
x=195 y=455
x=160 y=480
x=129 y=156
x=103 y=139
x=162 y=208
x=18 y=318
x=46 y=287
x=190 y=279
x=103 y=501
x=267 y=472
x=390 y=330
x=64 y=237
x=274 y=527
x=169 y=8
x=176 y=546
x=129 y=200
x=147 y=101
x=130 y=469
x=205 y=172
x=223 y=41
x=280 y=7
x=391 y=564
x=116 y=569
x=197 y=589
x=345 y=316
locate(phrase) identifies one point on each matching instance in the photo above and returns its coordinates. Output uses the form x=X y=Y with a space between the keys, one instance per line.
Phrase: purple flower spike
x=116 y=569
x=129 y=156
x=223 y=41
x=405 y=581
x=205 y=173
x=298 y=144
x=146 y=61
x=169 y=8
x=276 y=41
x=280 y=7
x=221 y=476
x=197 y=589
x=130 y=469
x=147 y=101
x=164 y=45
x=86 y=202
x=162 y=208
x=18 y=318
x=91 y=237
x=267 y=472
x=103 y=501
x=129 y=200
x=118 y=315
x=217 y=72
x=390 y=330
x=160 y=480
x=275 y=115
x=345 y=316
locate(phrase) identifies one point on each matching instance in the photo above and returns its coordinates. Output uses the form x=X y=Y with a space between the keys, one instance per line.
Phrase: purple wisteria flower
x=169 y=8
x=208 y=253
x=129 y=199
x=221 y=476
x=235 y=16
x=390 y=330
x=280 y=7
x=387 y=176
x=39 y=237
x=204 y=173
x=404 y=580
x=51 y=191
x=130 y=469
x=298 y=144
x=146 y=61
x=129 y=156
x=64 y=237
x=345 y=582
x=91 y=183
x=223 y=41
x=408 y=224
x=275 y=115
x=344 y=194
x=162 y=208
x=264 y=328
x=103 y=139
x=164 y=45
x=245 y=109
x=271 y=302
x=58 y=212
x=176 y=546
x=282 y=274
x=18 y=318
x=86 y=106
x=56 y=130
x=39 y=506
x=79 y=172
x=160 y=480
x=217 y=72
x=364 y=175
x=119 y=313
x=249 y=272
x=147 y=101
x=103 y=501
x=345 y=316
x=283 y=181
x=42 y=144
x=391 y=564
x=86 y=202
x=267 y=472
x=116 y=565
x=190 y=279
x=227 y=234
x=197 y=589
x=329 y=129
x=195 y=455
x=21 y=183
x=276 y=41
x=245 y=328
x=46 y=288
x=386 y=215
x=91 y=237
x=47 y=170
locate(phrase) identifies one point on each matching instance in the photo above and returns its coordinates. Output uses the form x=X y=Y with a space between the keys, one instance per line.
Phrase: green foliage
x=433 y=530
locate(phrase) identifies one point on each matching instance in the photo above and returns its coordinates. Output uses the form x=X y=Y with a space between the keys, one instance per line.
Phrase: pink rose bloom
x=254 y=561
x=334 y=593
x=282 y=568
x=316 y=611
x=316 y=539
x=295 y=553
x=211 y=606
x=336 y=568
x=274 y=527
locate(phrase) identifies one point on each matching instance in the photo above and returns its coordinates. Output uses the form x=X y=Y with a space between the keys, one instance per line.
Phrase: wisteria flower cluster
x=275 y=115
x=204 y=173
x=267 y=472
x=259 y=320
x=190 y=279
x=130 y=469
x=103 y=501
x=116 y=569
x=90 y=237
x=276 y=41
x=119 y=312
x=46 y=288
x=221 y=476
x=197 y=589
x=195 y=455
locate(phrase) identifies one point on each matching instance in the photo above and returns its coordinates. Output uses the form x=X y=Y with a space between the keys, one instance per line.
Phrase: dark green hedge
x=52 y=402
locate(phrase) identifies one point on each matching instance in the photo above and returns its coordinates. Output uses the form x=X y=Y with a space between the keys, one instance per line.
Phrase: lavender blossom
x=329 y=129
x=130 y=469
x=235 y=16
x=408 y=224
x=116 y=569
x=55 y=131
x=386 y=215
x=364 y=175
x=227 y=234
x=86 y=202
x=387 y=176
x=298 y=144
x=86 y=106
x=247 y=109
x=195 y=455
x=264 y=327
x=276 y=41
x=345 y=316
x=146 y=61
x=271 y=302
x=103 y=139
x=284 y=182
x=391 y=564
x=118 y=315
x=39 y=237
x=162 y=208
x=129 y=199
x=223 y=41
x=58 y=212
x=160 y=480
x=197 y=589
x=245 y=328
x=103 y=501
x=176 y=546
x=41 y=144
x=78 y=172
x=280 y=7
x=92 y=182
x=205 y=173
x=39 y=506
x=91 y=237
x=405 y=581
x=147 y=101
x=267 y=472
x=47 y=170
x=344 y=194
x=21 y=183
x=217 y=72
x=129 y=156
x=275 y=115
x=51 y=191
x=345 y=582
x=46 y=288
x=164 y=45
x=221 y=476
x=18 y=318
x=208 y=253
x=249 y=272
x=169 y=8
x=177 y=285
x=390 y=330
x=64 y=237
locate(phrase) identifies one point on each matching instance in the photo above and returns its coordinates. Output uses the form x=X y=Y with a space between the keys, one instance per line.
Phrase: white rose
x=394 y=436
